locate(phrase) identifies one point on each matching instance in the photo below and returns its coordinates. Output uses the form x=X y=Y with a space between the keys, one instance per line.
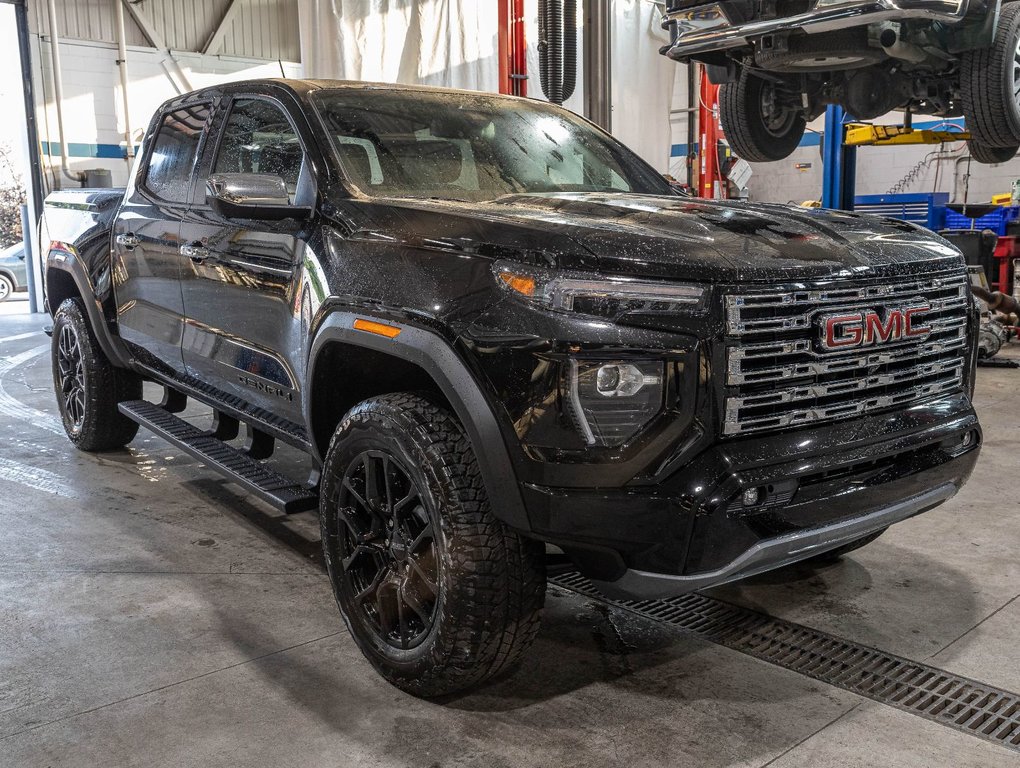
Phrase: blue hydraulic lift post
x=839 y=163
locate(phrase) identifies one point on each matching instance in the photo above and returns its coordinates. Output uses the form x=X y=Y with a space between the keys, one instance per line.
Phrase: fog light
x=751 y=497
x=622 y=380
x=968 y=440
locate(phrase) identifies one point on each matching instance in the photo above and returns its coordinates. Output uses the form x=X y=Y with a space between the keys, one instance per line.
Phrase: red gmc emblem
x=869 y=327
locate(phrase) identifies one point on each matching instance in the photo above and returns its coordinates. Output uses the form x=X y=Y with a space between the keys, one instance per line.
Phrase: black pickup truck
x=503 y=341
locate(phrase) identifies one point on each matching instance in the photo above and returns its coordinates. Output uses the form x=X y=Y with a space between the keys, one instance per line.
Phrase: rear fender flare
x=434 y=355
x=68 y=262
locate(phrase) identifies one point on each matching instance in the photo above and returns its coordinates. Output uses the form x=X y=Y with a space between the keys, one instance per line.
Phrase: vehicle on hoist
x=494 y=331
x=780 y=62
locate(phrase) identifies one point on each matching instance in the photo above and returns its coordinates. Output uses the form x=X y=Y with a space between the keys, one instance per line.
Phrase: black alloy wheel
x=387 y=547
x=87 y=385
x=437 y=592
x=71 y=377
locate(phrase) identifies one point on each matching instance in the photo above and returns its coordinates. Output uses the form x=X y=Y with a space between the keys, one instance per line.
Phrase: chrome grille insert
x=776 y=378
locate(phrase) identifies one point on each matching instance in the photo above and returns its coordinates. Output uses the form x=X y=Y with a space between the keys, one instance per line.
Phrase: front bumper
x=777 y=552
x=706 y=28
x=822 y=487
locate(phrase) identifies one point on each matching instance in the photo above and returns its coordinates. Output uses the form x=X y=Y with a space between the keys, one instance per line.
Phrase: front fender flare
x=436 y=357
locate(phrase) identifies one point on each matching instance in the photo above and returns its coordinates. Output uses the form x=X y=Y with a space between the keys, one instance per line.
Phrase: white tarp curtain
x=453 y=43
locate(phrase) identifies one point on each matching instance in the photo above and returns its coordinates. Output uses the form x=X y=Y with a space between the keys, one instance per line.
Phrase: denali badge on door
x=871 y=327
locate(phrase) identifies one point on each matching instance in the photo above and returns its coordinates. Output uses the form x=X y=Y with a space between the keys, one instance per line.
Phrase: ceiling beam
x=156 y=41
x=215 y=40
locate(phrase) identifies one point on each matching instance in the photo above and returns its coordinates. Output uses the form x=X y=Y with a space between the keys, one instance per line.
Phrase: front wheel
x=88 y=386
x=990 y=85
x=6 y=287
x=439 y=595
x=991 y=155
x=759 y=126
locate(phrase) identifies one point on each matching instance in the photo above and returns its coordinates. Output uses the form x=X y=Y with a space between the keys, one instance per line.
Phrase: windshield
x=395 y=143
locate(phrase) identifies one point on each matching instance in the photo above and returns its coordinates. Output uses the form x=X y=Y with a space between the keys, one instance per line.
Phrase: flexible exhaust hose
x=569 y=48
x=557 y=48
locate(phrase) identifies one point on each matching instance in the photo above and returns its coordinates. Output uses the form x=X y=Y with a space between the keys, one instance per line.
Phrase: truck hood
x=674 y=238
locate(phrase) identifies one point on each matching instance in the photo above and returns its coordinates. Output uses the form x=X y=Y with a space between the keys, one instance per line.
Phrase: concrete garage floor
x=152 y=615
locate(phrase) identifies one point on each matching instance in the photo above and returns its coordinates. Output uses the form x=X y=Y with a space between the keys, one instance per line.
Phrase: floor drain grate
x=957 y=702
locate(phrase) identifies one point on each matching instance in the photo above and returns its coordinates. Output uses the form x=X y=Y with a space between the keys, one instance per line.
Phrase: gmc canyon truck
x=497 y=333
x=780 y=62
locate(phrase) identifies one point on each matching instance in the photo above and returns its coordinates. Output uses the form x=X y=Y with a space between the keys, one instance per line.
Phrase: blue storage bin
x=995 y=221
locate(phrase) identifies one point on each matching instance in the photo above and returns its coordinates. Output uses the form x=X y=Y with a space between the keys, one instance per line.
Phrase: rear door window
x=174 y=151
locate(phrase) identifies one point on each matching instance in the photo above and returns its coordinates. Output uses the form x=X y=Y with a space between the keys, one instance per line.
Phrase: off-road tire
x=746 y=127
x=491 y=580
x=6 y=287
x=991 y=155
x=838 y=50
x=833 y=555
x=988 y=77
x=101 y=426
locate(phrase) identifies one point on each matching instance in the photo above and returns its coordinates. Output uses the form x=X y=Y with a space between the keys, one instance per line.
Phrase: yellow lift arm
x=858 y=135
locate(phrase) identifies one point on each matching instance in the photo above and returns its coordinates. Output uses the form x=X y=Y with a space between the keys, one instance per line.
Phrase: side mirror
x=252 y=196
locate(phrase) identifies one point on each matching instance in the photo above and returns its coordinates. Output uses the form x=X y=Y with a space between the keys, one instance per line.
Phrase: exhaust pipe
x=996 y=300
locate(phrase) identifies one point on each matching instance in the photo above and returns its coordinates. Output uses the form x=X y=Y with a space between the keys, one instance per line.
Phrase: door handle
x=196 y=253
x=128 y=241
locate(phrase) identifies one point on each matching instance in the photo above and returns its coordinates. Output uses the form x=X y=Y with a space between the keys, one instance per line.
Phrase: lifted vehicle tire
x=835 y=554
x=438 y=594
x=989 y=84
x=6 y=287
x=88 y=386
x=991 y=155
x=758 y=129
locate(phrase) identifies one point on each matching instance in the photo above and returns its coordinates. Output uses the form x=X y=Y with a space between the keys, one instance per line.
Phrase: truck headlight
x=612 y=401
x=609 y=297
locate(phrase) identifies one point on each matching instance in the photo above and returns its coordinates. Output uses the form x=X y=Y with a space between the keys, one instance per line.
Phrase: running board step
x=239 y=467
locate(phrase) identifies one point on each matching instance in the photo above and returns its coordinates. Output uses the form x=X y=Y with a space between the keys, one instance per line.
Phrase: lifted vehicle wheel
x=759 y=128
x=439 y=594
x=991 y=155
x=88 y=386
x=6 y=287
x=990 y=85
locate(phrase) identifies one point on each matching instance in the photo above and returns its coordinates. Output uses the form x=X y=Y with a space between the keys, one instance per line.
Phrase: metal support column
x=597 y=72
x=839 y=163
x=35 y=177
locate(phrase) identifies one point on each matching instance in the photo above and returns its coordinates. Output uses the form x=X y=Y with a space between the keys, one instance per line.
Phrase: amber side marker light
x=523 y=284
x=380 y=329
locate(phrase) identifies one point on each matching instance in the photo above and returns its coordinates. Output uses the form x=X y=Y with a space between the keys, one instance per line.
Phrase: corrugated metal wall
x=261 y=29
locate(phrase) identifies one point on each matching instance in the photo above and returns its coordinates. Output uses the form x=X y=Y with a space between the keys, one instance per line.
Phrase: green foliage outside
x=12 y=197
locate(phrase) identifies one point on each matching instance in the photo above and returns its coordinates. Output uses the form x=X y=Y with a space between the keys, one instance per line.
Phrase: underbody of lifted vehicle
x=499 y=337
x=782 y=61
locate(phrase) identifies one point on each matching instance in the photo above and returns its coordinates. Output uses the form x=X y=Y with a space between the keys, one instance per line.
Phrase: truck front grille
x=778 y=376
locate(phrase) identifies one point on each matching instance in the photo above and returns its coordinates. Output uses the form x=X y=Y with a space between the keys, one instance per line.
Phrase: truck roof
x=301 y=87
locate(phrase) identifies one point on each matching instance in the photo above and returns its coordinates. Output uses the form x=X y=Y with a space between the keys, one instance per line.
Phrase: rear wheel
x=6 y=287
x=990 y=85
x=438 y=594
x=88 y=386
x=758 y=126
